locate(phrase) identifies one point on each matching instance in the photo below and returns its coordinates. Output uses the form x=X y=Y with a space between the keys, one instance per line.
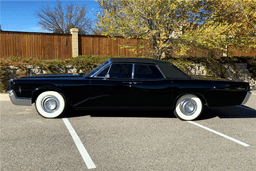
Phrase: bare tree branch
x=59 y=20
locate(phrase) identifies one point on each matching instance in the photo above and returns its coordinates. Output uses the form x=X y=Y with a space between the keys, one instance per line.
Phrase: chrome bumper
x=248 y=95
x=19 y=101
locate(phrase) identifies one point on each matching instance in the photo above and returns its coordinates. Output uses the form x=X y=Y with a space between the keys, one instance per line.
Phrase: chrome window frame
x=133 y=69
x=100 y=70
x=96 y=73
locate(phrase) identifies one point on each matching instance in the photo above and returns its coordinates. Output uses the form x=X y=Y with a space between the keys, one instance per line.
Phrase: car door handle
x=213 y=88
x=137 y=82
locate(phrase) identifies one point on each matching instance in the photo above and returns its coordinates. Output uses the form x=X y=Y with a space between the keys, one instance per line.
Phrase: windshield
x=98 y=68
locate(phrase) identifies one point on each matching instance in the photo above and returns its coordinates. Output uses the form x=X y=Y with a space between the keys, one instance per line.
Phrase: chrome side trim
x=248 y=95
x=19 y=101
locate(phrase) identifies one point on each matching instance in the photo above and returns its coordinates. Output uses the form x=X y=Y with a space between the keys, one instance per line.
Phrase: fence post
x=75 y=50
x=225 y=53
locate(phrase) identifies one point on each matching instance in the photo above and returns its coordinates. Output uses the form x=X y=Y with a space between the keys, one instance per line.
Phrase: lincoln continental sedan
x=127 y=83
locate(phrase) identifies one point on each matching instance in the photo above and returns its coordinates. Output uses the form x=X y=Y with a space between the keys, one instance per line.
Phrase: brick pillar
x=75 y=50
x=225 y=53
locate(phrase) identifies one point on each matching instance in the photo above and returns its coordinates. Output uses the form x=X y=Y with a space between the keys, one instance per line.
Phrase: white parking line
x=218 y=133
x=87 y=159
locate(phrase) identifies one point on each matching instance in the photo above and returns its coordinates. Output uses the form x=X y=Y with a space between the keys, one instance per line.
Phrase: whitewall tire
x=188 y=107
x=50 y=104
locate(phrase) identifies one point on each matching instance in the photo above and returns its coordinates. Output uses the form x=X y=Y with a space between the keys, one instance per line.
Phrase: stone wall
x=242 y=75
x=196 y=70
x=15 y=71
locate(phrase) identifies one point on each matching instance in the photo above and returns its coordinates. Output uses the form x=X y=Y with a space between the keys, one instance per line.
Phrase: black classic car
x=127 y=83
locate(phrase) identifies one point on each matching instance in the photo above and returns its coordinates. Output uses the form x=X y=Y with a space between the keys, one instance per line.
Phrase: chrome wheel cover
x=50 y=104
x=188 y=107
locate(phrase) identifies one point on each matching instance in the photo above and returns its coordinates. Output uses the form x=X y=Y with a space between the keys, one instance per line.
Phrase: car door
x=115 y=90
x=150 y=88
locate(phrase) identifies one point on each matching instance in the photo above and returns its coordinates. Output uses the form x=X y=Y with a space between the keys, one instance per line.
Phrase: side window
x=121 y=71
x=104 y=72
x=145 y=71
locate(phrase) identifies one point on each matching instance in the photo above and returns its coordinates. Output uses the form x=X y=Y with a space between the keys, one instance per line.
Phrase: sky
x=19 y=15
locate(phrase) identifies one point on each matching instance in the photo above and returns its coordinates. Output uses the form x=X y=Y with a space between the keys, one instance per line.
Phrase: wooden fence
x=237 y=52
x=35 y=45
x=59 y=46
x=102 y=45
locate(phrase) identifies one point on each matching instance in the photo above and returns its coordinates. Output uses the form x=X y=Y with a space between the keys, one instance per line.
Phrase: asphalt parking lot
x=222 y=139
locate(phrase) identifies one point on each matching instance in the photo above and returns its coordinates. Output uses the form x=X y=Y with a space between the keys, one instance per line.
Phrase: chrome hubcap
x=50 y=104
x=188 y=107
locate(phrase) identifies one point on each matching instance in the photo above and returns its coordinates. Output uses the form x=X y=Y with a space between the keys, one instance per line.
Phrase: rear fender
x=202 y=98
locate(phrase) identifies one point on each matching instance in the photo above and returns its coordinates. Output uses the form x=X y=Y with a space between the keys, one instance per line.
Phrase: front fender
x=39 y=90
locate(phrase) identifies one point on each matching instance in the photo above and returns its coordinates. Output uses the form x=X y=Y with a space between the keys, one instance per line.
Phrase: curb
x=4 y=97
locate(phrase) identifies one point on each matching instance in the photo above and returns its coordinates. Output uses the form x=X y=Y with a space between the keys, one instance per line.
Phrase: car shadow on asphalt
x=122 y=113
x=228 y=112
x=208 y=113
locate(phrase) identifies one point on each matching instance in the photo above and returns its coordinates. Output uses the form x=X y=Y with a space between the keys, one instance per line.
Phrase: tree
x=228 y=23
x=96 y=30
x=59 y=21
x=179 y=24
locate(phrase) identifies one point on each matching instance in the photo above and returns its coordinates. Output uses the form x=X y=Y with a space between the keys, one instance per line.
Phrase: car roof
x=168 y=69
x=135 y=60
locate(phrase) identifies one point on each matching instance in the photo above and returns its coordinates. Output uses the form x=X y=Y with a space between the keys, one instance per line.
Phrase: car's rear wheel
x=188 y=107
x=50 y=104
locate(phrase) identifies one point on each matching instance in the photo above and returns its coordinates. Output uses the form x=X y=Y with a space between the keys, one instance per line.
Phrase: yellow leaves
x=157 y=19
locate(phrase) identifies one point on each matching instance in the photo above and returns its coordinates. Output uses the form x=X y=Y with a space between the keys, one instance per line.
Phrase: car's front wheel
x=50 y=104
x=188 y=107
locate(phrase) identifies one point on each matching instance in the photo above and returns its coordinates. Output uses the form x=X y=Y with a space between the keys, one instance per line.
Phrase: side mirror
x=107 y=76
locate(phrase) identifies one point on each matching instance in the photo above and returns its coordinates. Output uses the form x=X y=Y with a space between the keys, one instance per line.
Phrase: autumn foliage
x=170 y=24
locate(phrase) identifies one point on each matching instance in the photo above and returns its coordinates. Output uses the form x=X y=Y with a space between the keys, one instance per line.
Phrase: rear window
x=147 y=71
